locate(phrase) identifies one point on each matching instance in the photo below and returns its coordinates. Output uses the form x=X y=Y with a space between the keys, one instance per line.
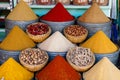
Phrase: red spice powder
x=58 y=69
x=58 y=14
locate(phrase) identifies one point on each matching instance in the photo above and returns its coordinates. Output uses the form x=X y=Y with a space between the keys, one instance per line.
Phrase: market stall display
x=60 y=52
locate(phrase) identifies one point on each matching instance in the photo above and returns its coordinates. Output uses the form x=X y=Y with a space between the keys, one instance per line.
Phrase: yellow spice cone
x=17 y=39
x=22 y=12
x=11 y=70
x=100 y=43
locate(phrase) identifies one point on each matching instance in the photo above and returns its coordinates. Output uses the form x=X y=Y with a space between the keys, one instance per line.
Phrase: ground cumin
x=22 y=12
x=58 y=69
x=58 y=14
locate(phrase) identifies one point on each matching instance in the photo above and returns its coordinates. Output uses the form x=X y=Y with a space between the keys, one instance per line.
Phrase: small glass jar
x=80 y=2
x=43 y=2
x=102 y=2
x=66 y=2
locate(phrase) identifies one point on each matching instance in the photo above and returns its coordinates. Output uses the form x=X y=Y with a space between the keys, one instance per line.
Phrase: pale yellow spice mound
x=12 y=70
x=100 y=43
x=103 y=70
x=22 y=12
x=17 y=39
x=94 y=15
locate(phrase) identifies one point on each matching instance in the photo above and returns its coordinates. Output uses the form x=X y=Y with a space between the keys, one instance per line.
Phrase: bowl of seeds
x=80 y=58
x=33 y=59
x=75 y=33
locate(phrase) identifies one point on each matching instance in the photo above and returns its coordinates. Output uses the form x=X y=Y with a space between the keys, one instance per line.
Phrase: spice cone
x=58 y=69
x=94 y=15
x=103 y=70
x=22 y=12
x=11 y=70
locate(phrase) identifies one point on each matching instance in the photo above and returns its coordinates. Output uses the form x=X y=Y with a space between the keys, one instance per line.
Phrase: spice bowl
x=75 y=33
x=58 y=26
x=94 y=27
x=113 y=57
x=38 y=31
x=80 y=58
x=5 y=55
x=33 y=59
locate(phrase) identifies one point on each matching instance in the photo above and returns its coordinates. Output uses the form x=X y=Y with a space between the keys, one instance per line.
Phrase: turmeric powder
x=17 y=39
x=11 y=70
x=100 y=43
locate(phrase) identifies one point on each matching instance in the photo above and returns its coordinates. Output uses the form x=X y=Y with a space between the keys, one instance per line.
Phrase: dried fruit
x=38 y=31
x=38 y=28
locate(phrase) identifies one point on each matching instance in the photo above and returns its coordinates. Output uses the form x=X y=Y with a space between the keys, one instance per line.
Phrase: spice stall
x=59 y=40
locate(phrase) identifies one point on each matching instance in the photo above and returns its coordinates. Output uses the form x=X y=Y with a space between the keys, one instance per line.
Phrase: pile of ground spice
x=22 y=12
x=16 y=40
x=58 y=14
x=12 y=70
x=58 y=69
x=99 y=43
x=103 y=70
x=94 y=15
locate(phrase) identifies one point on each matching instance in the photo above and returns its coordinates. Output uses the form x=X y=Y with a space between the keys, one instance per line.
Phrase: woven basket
x=76 y=39
x=34 y=68
x=80 y=68
x=39 y=38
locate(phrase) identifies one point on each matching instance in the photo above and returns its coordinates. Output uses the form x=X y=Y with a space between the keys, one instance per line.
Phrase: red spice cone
x=58 y=69
x=58 y=14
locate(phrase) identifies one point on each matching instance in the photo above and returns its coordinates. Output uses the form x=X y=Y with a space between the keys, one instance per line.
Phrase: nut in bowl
x=76 y=33
x=38 y=31
x=33 y=59
x=81 y=59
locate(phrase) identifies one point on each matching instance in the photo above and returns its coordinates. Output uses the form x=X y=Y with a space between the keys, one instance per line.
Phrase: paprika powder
x=58 y=14
x=58 y=69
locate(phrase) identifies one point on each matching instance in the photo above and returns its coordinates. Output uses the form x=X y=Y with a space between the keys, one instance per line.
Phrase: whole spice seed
x=33 y=56
x=80 y=56
x=75 y=30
